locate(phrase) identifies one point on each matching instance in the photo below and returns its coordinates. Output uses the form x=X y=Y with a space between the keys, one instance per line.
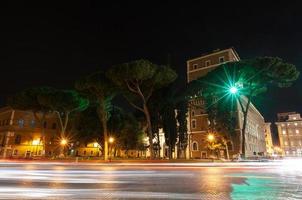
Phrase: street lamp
x=111 y=140
x=63 y=142
x=233 y=90
x=211 y=137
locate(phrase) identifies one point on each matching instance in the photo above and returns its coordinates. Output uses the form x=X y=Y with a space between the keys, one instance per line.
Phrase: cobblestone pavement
x=282 y=180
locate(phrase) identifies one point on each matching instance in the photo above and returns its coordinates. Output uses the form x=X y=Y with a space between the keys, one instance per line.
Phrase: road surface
x=28 y=180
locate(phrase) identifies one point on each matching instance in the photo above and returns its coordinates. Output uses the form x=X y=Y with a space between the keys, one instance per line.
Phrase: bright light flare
x=63 y=142
x=36 y=142
x=111 y=140
x=233 y=90
x=211 y=137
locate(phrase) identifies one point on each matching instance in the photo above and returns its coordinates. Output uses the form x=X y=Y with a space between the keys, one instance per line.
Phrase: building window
x=292 y=143
x=193 y=123
x=195 y=146
x=287 y=152
x=221 y=59
x=84 y=153
x=54 y=126
x=297 y=131
x=208 y=63
x=15 y=152
x=18 y=139
x=300 y=143
x=285 y=143
x=21 y=123
x=193 y=113
x=195 y=66
x=282 y=125
x=32 y=123
x=45 y=125
x=296 y=124
x=91 y=152
x=284 y=132
x=290 y=131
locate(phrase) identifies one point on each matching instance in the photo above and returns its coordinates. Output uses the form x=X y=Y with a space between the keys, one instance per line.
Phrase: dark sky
x=55 y=44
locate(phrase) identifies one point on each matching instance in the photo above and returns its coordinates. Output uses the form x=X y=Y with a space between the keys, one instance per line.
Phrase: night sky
x=55 y=44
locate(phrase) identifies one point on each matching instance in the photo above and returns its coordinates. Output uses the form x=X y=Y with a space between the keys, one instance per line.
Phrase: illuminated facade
x=21 y=136
x=268 y=139
x=290 y=134
x=198 y=120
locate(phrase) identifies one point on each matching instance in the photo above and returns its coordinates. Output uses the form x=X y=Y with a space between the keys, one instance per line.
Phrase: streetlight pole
x=111 y=140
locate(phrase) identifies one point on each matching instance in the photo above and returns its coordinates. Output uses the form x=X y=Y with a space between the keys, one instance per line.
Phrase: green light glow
x=233 y=90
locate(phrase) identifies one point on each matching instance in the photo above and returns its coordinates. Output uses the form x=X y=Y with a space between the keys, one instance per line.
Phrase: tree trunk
x=149 y=129
x=103 y=119
x=226 y=149
x=245 y=115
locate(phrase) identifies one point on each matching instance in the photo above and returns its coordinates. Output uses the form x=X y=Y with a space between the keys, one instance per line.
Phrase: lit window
x=195 y=66
x=287 y=152
x=282 y=125
x=221 y=59
x=288 y=124
x=296 y=124
x=285 y=143
x=284 y=132
x=193 y=123
x=297 y=131
x=195 y=146
x=294 y=118
x=300 y=143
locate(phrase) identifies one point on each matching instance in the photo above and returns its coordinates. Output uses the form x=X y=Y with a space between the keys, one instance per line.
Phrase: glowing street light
x=63 y=142
x=211 y=137
x=233 y=90
x=111 y=140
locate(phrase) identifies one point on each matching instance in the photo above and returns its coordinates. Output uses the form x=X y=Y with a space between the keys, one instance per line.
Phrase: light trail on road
x=33 y=180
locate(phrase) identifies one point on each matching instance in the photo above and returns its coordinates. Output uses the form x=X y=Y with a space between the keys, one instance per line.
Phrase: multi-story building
x=268 y=139
x=198 y=120
x=290 y=133
x=21 y=136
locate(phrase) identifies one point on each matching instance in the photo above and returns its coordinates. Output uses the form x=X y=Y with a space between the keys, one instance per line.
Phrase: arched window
x=54 y=126
x=45 y=124
x=195 y=146
x=18 y=139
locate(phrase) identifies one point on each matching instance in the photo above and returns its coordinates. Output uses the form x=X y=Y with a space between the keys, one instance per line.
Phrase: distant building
x=21 y=136
x=198 y=120
x=268 y=139
x=290 y=133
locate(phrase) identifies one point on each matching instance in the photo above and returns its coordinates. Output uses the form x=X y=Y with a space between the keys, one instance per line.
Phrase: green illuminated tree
x=138 y=80
x=242 y=81
x=101 y=91
x=63 y=103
